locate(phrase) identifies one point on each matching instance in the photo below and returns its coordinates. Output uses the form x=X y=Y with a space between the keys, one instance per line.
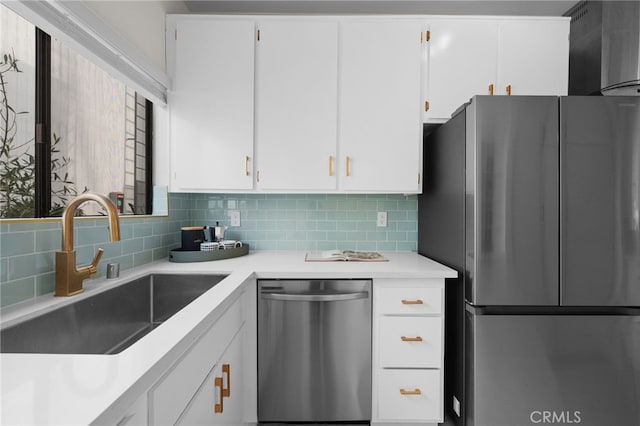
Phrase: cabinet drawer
x=409 y=300
x=173 y=393
x=409 y=395
x=410 y=342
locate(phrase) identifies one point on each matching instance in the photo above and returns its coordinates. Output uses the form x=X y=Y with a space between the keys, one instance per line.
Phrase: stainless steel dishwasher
x=314 y=351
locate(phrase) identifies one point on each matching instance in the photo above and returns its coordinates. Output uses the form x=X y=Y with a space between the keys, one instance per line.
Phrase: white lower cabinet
x=408 y=351
x=219 y=400
x=170 y=397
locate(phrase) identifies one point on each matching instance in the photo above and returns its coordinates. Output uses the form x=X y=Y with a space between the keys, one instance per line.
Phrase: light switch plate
x=382 y=219
x=235 y=217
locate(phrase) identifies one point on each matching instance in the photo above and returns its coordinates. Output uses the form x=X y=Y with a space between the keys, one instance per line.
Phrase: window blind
x=79 y=27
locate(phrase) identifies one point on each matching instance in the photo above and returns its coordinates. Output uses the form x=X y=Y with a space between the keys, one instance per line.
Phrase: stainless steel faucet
x=68 y=277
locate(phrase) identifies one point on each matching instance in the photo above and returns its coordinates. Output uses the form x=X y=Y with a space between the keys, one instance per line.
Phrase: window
x=76 y=129
x=17 y=118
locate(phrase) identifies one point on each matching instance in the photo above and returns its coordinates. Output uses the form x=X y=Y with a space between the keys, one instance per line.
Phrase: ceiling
x=428 y=7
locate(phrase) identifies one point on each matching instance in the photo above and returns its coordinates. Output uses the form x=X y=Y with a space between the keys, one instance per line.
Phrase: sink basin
x=108 y=322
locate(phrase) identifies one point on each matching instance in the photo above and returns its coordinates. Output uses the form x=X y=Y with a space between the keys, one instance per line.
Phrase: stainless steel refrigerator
x=536 y=202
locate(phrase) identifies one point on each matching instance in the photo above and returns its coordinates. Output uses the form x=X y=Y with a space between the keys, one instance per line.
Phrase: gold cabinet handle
x=411 y=339
x=491 y=89
x=508 y=89
x=412 y=302
x=348 y=165
x=246 y=165
x=226 y=391
x=410 y=392
x=331 y=165
x=218 y=385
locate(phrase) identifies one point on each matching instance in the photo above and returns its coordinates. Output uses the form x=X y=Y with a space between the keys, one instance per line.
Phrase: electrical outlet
x=235 y=217
x=382 y=219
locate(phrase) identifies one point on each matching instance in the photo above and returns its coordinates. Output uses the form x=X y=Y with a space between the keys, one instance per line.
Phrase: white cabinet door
x=212 y=105
x=232 y=369
x=533 y=57
x=380 y=106
x=219 y=400
x=462 y=63
x=296 y=98
x=173 y=393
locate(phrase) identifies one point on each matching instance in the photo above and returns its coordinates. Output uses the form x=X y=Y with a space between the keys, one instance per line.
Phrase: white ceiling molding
x=80 y=28
x=394 y=7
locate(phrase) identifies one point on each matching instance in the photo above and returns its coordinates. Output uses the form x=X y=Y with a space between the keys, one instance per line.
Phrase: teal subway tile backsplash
x=45 y=283
x=17 y=243
x=17 y=290
x=268 y=222
x=312 y=221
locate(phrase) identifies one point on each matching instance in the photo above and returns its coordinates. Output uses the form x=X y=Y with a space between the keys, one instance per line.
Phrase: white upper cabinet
x=463 y=60
x=296 y=98
x=494 y=56
x=533 y=57
x=211 y=104
x=380 y=106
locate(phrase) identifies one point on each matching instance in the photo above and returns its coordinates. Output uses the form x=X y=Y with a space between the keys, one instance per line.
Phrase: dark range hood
x=604 y=50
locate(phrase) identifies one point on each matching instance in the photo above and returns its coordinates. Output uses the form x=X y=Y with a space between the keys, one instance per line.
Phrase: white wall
x=142 y=23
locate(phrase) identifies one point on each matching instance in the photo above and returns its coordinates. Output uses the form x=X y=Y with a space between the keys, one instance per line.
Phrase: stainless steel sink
x=108 y=322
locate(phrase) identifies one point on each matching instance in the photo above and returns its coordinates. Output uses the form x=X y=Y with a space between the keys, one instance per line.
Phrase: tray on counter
x=183 y=256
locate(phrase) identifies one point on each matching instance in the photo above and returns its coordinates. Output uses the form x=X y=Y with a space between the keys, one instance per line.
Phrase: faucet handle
x=93 y=268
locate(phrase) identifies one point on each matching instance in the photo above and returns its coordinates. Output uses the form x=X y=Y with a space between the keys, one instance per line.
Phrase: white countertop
x=79 y=389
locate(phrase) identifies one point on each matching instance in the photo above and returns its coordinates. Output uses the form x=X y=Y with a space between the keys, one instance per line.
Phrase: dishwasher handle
x=298 y=297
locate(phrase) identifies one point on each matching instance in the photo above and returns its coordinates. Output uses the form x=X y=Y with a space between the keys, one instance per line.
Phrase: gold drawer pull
x=226 y=369
x=410 y=392
x=246 y=165
x=491 y=89
x=411 y=339
x=348 y=166
x=412 y=302
x=508 y=89
x=218 y=384
x=331 y=165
